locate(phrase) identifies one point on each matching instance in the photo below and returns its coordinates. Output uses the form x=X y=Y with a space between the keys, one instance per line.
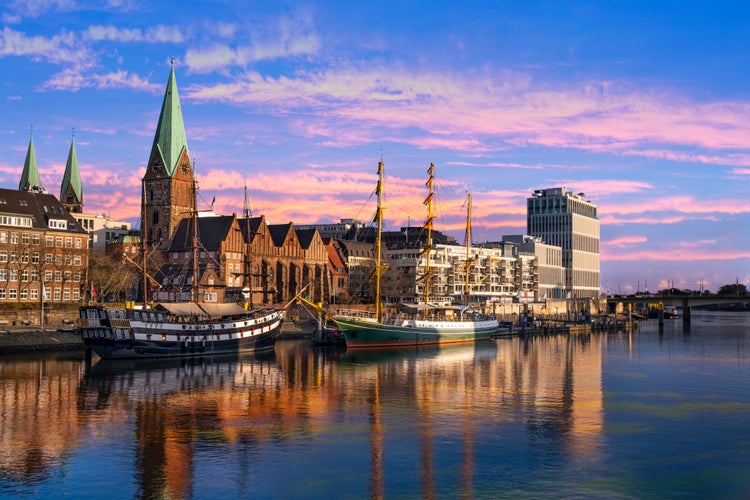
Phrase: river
x=638 y=414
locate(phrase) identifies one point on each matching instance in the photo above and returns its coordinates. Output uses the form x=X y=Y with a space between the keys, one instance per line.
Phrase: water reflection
x=177 y=419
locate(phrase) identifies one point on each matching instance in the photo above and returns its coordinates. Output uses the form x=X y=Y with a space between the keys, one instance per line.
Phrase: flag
x=212 y=202
x=93 y=290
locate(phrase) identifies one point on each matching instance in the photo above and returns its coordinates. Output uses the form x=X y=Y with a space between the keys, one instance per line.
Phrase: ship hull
x=369 y=334
x=117 y=334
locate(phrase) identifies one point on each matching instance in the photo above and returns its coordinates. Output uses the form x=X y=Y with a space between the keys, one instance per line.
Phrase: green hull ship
x=436 y=325
x=361 y=331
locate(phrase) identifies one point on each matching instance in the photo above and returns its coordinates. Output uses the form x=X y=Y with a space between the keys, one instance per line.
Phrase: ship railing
x=356 y=314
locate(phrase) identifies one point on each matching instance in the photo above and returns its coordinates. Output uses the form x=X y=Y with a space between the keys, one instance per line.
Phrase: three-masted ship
x=177 y=329
x=431 y=324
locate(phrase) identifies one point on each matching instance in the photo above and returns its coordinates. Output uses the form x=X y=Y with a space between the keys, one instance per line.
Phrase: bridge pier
x=685 y=312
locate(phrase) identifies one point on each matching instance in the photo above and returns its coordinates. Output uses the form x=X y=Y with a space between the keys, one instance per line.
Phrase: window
x=12 y=293
x=47 y=276
x=25 y=257
x=77 y=260
x=48 y=241
x=68 y=242
x=3 y=238
x=14 y=238
x=76 y=295
x=13 y=256
x=77 y=277
x=34 y=275
x=3 y=256
x=58 y=275
x=66 y=295
x=25 y=238
x=24 y=294
x=58 y=241
x=25 y=275
x=13 y=275
x=57 y=295
x=2 y=293
x=78 y=242
x=35 y=258
x=3 y=275
x=34 y=294
x=35 y=239
x=48 y=258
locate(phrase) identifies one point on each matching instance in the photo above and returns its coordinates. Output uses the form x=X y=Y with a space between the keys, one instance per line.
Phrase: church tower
x=30 y=175
x=169 y=184
x=71 y=190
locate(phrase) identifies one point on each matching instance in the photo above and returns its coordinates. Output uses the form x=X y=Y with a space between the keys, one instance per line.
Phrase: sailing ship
x=178 y=329
x=431 y=325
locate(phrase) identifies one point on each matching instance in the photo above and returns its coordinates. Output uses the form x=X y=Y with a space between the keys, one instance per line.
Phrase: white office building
x=568 y=220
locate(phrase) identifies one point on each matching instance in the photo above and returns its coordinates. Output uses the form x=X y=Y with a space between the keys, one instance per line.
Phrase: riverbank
x=17 y=339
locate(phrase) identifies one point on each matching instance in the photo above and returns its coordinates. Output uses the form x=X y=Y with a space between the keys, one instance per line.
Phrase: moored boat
x=177 y=330
x=431 y=325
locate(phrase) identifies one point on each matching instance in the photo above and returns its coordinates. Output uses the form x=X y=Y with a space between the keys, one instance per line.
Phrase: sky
x=642 y=106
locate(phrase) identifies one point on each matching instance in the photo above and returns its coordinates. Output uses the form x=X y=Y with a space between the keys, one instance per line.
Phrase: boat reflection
x=177 y=419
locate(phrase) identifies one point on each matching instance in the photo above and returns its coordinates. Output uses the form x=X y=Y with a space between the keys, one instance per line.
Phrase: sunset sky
x=642 y=106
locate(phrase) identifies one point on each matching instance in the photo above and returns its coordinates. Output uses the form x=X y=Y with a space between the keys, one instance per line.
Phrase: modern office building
x=568 y=220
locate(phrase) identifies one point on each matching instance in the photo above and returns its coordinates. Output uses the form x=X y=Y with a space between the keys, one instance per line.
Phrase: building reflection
x=548 y=389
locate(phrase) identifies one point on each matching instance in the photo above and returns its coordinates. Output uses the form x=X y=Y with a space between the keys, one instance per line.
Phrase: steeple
x=170 y=139
x=71 y=190
x=169 y=182
x=30 y=175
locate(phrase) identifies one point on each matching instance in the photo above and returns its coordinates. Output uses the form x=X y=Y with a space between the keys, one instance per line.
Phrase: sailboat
x=177 y=329
x=431 y=325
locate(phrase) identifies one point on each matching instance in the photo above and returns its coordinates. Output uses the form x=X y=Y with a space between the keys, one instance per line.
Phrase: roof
x=305 y=237
x=334 y=258
x=255 y=225
x=41 y=207
x=279 y=232
x=170 y=138
x=193 y=309
x=30 y=174
x=212 y=231
x=72 y=177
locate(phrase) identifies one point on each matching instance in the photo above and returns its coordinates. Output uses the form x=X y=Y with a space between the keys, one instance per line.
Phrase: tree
x=735 y=289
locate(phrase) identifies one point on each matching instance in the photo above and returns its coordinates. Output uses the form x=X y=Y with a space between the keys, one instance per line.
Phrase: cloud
x=155 y=34
x=289 y=36
x=61 y=49
x=73 y=80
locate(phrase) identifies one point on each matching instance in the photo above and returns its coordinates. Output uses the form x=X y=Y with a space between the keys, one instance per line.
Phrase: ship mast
x=379 y=220
x=195 y=292
x=428 y=225
x=467 y=290
x=247 y=289
x=143 y=244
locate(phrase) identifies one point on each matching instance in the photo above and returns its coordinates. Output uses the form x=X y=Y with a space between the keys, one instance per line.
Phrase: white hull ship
x=177 y=330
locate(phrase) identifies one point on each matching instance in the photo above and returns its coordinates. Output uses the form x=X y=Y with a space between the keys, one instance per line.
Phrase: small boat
x=670 y=312
x=177 y=330
x=430 y=324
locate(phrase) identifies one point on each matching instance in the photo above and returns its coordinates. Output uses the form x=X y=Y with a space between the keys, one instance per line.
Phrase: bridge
x=685 y=302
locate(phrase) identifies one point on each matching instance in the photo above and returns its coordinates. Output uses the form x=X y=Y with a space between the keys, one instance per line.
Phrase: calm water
x=616 y=415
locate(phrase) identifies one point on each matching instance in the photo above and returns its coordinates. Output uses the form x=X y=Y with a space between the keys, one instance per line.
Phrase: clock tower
x=168 y=186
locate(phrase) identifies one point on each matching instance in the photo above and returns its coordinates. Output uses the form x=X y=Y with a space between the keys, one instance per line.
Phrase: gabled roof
x=40 y=207
x=255 y=225
x=334 y=258
x=279 y=232
x=212 y=231
x=30 y=175
x=305 y=237
x=72 y=175
x=170 y=138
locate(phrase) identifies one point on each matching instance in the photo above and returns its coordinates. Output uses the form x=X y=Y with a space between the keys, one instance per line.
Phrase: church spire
x=30 y=175
x=71 y=190
x=170 y=138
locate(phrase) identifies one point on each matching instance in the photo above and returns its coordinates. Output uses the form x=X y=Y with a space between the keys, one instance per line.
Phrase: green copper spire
x=30 y=175
x=170 y=138
x=72 y=177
